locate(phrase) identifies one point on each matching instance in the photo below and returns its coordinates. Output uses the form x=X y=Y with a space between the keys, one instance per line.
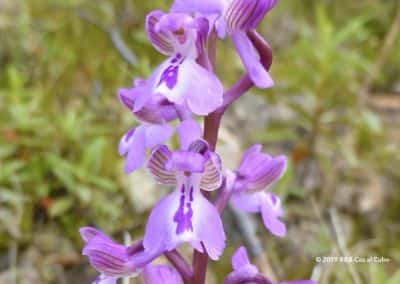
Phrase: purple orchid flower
x=153 y=114
x=256 y=172
x=185 y=215
x=245 y=272
x=110 y=259
x=182 y=38
x=235 y=17
x=156 y=274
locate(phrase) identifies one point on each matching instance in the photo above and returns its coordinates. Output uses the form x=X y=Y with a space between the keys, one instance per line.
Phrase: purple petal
x=258 y=170
x=248 y=202
x=160 y=40
x=125 y=142
x=188 y=132
x=167 y=226
x=270 y=212
x=127 y=97
x=186 y=161
x=109 y=258
x=240 y=258
x=158 y=134
x=156 y=165
x=105 y=280
x=201 y=98
x=247 y=14
x=198 y=6
x=299 y=282
x=161 y=274
x=160 y=228
x=211 y=179
x=89 y=233
x=249 y=155
x=268 y=173
x=208 y=227
x=137 y=150
x=250 y=59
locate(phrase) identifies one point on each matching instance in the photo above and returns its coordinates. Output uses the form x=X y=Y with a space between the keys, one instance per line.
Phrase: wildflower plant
x=185 y=88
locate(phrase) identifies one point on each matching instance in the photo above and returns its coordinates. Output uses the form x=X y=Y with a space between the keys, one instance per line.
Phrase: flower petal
x=248 y=202
x=105 y=280
x=156 y=165
x=89 y=233
x=158 y=134
x=270 y=212
x=160 y=233
x=125 y=142
x=188 y=131
x=299 y=282
x=137 y=150
x=165 y=229
x=250 y=59
x=108 y=258
x=208 y=227
x=160 y=40
x=211 y=178
x=202 y=98
x=240 y=258
x=179 y=84
x=198 y=6
x=259 y=170
x=161 y=274
x=185 y=161
x=247 y=14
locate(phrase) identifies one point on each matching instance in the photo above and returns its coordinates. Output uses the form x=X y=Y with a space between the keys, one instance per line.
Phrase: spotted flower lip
x=182 y=38
x=236 y=17
x=245 y=272
x=185 y=215
x=110 y=259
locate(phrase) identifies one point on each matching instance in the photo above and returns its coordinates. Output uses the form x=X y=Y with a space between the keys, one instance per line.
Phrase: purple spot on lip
x=182 y=219
x=170 y=74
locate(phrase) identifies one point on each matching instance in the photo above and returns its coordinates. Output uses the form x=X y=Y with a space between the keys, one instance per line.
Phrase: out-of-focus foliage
x=60 y=122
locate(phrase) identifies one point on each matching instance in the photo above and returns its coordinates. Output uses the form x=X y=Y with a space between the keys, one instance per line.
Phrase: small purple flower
x=152 y=109
x=154 y=113
x=256 y=172
x=182 y=38
x=236 y=17
x=110 y=259
x=245 y=272
x=185 y=215
x=156 y=274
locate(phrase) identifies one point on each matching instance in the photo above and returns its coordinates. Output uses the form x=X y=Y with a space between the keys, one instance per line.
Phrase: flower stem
x=212 y=124
x=176 y=259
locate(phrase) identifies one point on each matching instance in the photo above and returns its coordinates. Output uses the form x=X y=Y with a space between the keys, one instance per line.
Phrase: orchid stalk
x=186 y=88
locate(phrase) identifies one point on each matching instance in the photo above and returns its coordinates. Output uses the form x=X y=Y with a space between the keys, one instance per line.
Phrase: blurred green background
x=335 y=111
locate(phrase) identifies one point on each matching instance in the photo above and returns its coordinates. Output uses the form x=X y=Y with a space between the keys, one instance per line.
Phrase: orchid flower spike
x=182 y=38
x=235 y=17
x=256 y=172
x=110 y=259
x=185 y=215
x=245 y=272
